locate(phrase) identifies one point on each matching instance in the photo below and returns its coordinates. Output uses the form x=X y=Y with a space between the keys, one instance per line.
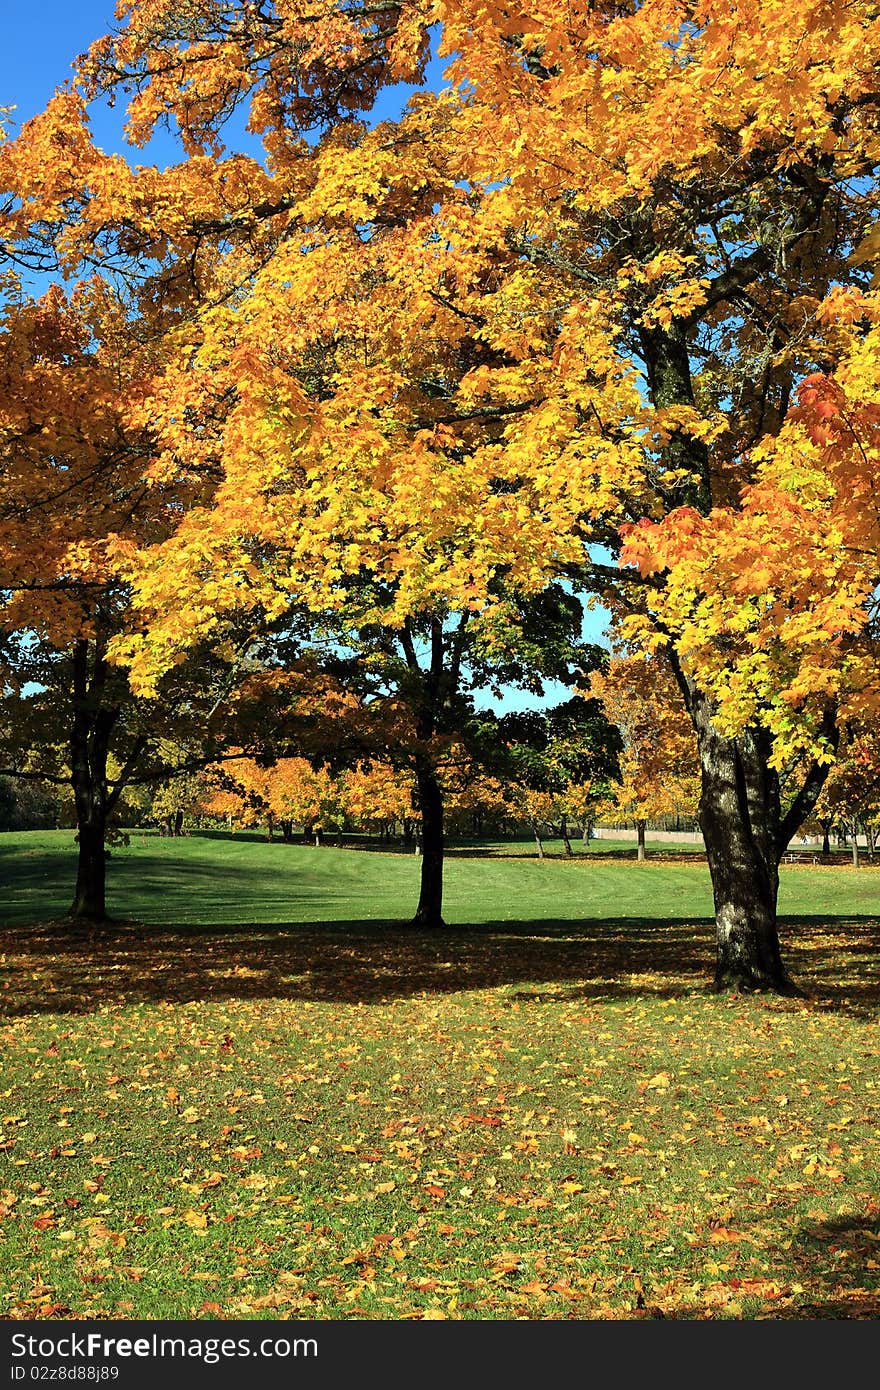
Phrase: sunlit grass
x=545 y=1115
x=216 y=878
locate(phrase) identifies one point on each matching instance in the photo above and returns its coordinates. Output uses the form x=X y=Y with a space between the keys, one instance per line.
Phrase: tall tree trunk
x=641 y=826
x=536 y=830
x=178 y=824
x=856 y=862
x=826 y=836
x=563 y=830
x=429 y=912
x=89 y=742
x=89 y=901
x=739 y=814
x=745 y=835
x=432 y=689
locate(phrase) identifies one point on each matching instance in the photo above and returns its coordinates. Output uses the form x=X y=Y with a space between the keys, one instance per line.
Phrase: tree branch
x=813 y=783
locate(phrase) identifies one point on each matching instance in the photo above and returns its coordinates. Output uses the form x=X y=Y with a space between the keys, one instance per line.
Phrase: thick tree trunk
x=746 y=835
x=740 y=819
x=826 y=836
x=429 y=912
x=89 y=902
x=89 y=741
x=740 y=815
x=641 y=827
x=287 y=831
x=178 y=824
x=538 y=841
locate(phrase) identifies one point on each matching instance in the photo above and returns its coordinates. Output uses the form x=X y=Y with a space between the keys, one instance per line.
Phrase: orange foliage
x=598 y=292
x=659 y=768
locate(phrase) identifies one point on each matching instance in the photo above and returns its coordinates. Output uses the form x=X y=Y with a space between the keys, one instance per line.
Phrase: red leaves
x=821 y=401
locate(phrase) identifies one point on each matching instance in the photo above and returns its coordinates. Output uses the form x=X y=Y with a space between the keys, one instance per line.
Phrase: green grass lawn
x=256 y=1097
x=213 y=878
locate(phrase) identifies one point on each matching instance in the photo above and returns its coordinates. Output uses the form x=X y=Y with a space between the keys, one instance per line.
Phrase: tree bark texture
x=432 y=687
x=641 y=826
x=91 y=728
x=563 y=831
x=741 y=820
x=90 y=897
x=746 y=835
x=740 y=812
x=429 y=912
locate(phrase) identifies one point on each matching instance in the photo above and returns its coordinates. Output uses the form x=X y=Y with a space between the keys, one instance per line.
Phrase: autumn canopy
x=596 y=319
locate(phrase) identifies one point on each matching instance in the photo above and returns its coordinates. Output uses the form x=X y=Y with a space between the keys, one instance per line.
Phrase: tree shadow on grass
x=836 y=961
x=832 y=1256
x=38 y=884
x=57 y=967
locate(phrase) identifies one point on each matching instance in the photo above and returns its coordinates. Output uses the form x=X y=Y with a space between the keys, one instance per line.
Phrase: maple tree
x=337 y=540
x=72 y=476
x=449 y=747
x=557 y=764
x=684 y=181
x=378 y=795
x=173 y=799
x=598 y=292
x=850 y=797
x=286 y=791
x=479 y=805
x=69 y=476
x=659 y=770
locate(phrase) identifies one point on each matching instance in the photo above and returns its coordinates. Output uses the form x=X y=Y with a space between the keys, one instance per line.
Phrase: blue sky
x=40 y=42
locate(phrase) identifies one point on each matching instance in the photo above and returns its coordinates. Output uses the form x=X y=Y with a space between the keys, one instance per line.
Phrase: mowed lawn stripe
x=210 y=879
